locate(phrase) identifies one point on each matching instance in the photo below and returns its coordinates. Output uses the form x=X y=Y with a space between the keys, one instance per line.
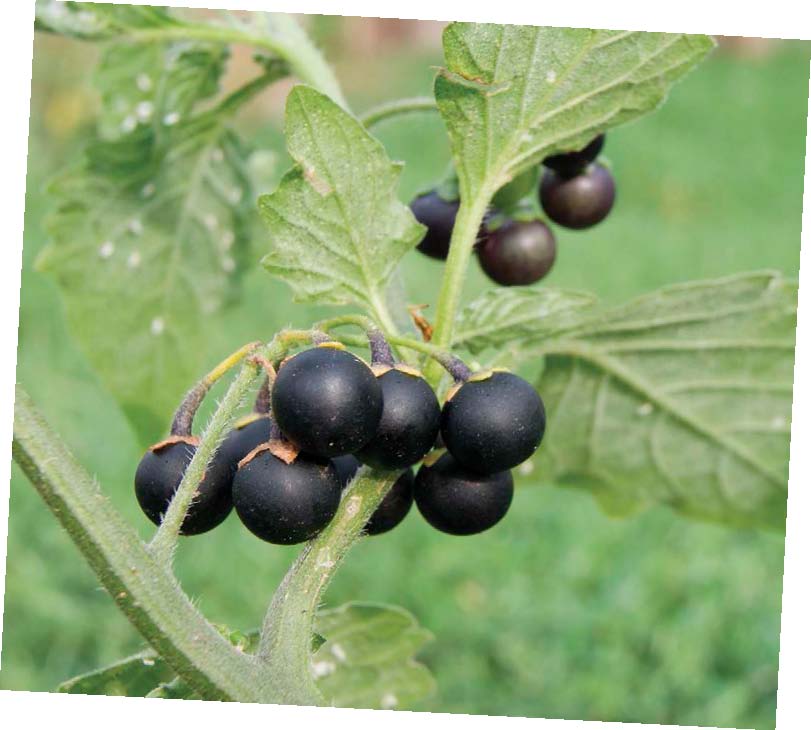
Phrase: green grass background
x=561 y=611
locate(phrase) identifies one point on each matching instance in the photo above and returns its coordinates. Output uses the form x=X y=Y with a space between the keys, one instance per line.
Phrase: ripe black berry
x=518 y=252
x=581 y=201
x=460 y=502
x=408 y=425
x=438 y=215
x=158 y=477
x=242 y=440
x=570 y=164
x=493 y=423
x=327 y=401
x=286 y=503
x=395 y=505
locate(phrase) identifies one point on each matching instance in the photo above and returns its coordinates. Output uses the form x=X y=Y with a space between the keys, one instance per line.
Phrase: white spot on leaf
x=148 y=190
x=645 y=409
x=338 y=652
x=171 y=118
x=551 y=76
x=157 y=326
x=227 y=239
x=228 y=264
x=143 y=110
x=388 y=701
x=143 y=82
x=322 y=669
x=134 y=260
x=106 y=249
x=136 y=227
x=128 y=124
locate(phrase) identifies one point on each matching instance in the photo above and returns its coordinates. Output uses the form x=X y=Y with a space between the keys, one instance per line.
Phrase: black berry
x=581 y=201
x=518 y=252
x=286 y=503
x=461 y=502
x=408 y=425
x=493 y=423
x=395 y=505
x=158 y=477
x=570 y=164
x=327 y=401
x=438 y=215
x=242 y=440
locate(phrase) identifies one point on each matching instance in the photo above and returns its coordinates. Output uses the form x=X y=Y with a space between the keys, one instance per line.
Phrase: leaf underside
x=510 y=95
x=150 y=230
x=337 y=229
x=682 y=397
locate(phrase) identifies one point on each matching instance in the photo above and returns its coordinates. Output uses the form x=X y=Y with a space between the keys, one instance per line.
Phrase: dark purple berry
x=158 y=477
x=242 y=440
x=408 y=425
x=518 y=253
x=438 y=215
x=327 y=401
x=493 y=423
x=461 y=502
x=581 y=201
x=286 y=503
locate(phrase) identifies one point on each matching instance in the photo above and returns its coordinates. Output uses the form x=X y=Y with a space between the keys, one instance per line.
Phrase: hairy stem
x=397 y=108
x=465 y=232
x=143 y=589
x=165 y=540
x=286 y=640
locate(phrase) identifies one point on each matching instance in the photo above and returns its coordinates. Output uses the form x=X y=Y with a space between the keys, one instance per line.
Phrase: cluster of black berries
x=575 y=192
x=331 y=413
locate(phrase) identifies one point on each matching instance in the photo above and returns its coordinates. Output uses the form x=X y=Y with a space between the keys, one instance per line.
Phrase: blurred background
x=561 y=611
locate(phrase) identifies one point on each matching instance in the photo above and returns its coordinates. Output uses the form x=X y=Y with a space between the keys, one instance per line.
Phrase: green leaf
x=135 y=676
x=94 y=21
x=337 y=229
x=682 y=397
x=148 y=239
x=367 y=660
x=512 y=94
x=519 y=316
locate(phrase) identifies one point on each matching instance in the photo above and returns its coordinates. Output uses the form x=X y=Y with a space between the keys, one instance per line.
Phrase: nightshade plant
x=680 y=397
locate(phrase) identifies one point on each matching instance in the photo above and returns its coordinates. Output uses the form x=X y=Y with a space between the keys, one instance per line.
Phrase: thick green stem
x=465 y=232
x=286 y=641
x=284 y=38
x=399 y=107
x=143 y=589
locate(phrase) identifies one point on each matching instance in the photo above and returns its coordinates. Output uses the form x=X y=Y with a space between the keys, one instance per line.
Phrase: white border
x=778 y=19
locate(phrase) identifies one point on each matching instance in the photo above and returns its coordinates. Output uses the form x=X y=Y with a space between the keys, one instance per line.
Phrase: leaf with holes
x=682 y=397
x=519 y=316
x=510 y=95
x=337 y=229
x=146 y=243
x=367 y=660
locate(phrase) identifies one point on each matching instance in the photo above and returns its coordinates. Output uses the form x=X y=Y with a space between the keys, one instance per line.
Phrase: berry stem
x=262 y=403
x=465 y=231
x=183 y=420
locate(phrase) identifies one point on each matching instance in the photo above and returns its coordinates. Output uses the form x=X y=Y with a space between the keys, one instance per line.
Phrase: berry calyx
x=581 y=201
x=458 y=501
x=409 y=422
x=569 y=164
x=243 y=439
x=395 y=505
x=439 y=216
x=327 y=401
x=285 y=503
x=493 y=422
x=518 y=253
x=159 y=474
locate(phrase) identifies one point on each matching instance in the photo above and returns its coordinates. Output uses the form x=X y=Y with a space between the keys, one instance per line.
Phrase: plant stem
x=465 y=232
x=396 y=108
x=286 y=640
x=143 y=590
x=284 y=38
